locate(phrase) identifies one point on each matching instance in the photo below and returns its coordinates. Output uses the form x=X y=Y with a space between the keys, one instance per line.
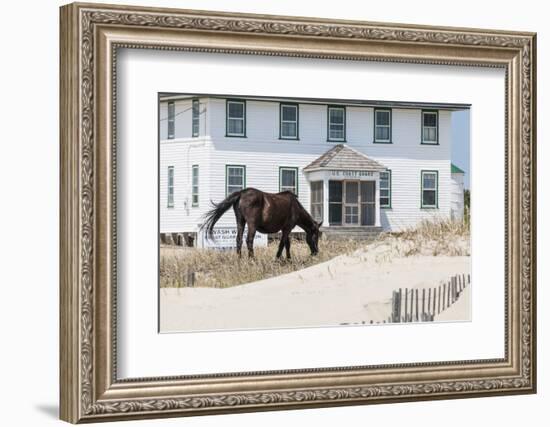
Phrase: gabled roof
x=341 y=157
x=456 y=169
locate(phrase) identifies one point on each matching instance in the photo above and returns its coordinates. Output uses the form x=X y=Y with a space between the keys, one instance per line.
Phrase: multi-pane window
x=195 y=119
x=317 y=200
x=171 y=120
x=289 y=121
x=288 y=179
x=170 y=187
x=385 y=189
x=235 y=177
x=236 y=118
x=429 y=182
x=382 y=126
x=335 y=200
x=195 y=185
x=429 y=127
x=336 y=124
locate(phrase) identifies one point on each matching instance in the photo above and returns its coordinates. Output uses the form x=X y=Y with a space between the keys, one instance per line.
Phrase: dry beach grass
x=223 y=269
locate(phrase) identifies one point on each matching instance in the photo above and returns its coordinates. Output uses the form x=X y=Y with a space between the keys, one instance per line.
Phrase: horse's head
x=312 y=237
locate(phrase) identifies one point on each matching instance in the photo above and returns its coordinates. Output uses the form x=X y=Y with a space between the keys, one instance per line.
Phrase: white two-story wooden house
x=355 y=165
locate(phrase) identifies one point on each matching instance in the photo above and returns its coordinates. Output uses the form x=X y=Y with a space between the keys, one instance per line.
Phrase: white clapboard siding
x=262 y=152
x=182 y=156
x=457 y=195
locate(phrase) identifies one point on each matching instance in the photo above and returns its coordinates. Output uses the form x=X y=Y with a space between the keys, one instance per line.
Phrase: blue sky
x=460 y=151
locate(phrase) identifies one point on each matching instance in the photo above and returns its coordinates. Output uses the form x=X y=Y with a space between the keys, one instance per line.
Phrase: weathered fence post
x=448 y=294
x=190 y=278
x=412 y=296
x=394 y=302
x=406 y=304
x=416 y=298
x=433 y=308
x=399 y=306
x=429 y=301
x=423 y=317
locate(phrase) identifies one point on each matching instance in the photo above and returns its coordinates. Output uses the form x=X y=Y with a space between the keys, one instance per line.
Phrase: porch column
x=377 y=200
x=325 y=202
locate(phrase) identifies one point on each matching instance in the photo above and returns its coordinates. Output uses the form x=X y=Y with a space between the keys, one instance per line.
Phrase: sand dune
x=350 y=289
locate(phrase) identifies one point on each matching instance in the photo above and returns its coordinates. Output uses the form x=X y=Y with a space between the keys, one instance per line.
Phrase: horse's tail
x=212 y=216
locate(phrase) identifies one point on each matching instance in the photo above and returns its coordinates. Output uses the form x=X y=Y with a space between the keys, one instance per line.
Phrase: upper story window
x=195 y=119
x=382 y=126
x=236 y=118
x=170 y=187
x=430 y=129
x=385 y=189
x=195 y=185
x=235 y=178
x=288 y=179
x=288 y=127
x=336 y=124
x=429 y=183
x=171 y=120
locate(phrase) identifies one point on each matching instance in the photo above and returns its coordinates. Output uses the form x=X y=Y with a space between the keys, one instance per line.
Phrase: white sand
x=352 y=289
x=460 y=310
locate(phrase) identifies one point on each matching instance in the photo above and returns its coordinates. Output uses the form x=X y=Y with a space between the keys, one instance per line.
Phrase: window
x=336 y=124
x=385 y=189
x=288 y=179
x=429 y=127
x=288 y=127
x=335 y=200
x=368 y=203
x=429 y=182
x=171 y=120
x=195 y=120
x=235 y=178
x=236 y=118
x=317 y=200
x=170 y=187
x=382 y=126
x=195 y=185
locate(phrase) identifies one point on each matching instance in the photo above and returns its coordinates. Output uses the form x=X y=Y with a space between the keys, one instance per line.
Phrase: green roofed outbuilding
x=456 y=169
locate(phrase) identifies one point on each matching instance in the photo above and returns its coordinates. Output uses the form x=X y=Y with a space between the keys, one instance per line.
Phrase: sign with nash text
x=224 y=238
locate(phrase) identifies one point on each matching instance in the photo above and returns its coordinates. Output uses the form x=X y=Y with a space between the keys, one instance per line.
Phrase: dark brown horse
x=266 y=213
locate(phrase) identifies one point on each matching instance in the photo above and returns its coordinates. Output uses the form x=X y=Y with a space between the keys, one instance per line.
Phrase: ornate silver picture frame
x=91 y=35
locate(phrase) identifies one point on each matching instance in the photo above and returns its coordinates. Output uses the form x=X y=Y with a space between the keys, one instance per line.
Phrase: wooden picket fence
x=414 y=305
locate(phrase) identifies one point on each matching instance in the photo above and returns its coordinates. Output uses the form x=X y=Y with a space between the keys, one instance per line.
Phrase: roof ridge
x=330 y=154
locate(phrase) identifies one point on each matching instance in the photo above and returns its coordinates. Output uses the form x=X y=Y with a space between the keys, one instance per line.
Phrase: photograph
x=280 y=212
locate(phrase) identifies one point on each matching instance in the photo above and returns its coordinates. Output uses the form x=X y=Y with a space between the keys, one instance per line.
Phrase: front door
x=351 y=203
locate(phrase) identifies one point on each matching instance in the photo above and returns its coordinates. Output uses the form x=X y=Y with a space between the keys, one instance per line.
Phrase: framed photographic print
x=267 y=212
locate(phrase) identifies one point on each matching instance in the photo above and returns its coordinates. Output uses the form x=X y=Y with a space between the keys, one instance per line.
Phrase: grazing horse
x=266 y=213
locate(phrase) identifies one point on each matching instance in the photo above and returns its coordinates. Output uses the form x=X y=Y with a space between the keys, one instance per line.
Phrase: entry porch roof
x=342 y=157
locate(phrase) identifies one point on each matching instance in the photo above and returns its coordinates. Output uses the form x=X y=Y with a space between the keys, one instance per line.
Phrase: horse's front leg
x=250 y=240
